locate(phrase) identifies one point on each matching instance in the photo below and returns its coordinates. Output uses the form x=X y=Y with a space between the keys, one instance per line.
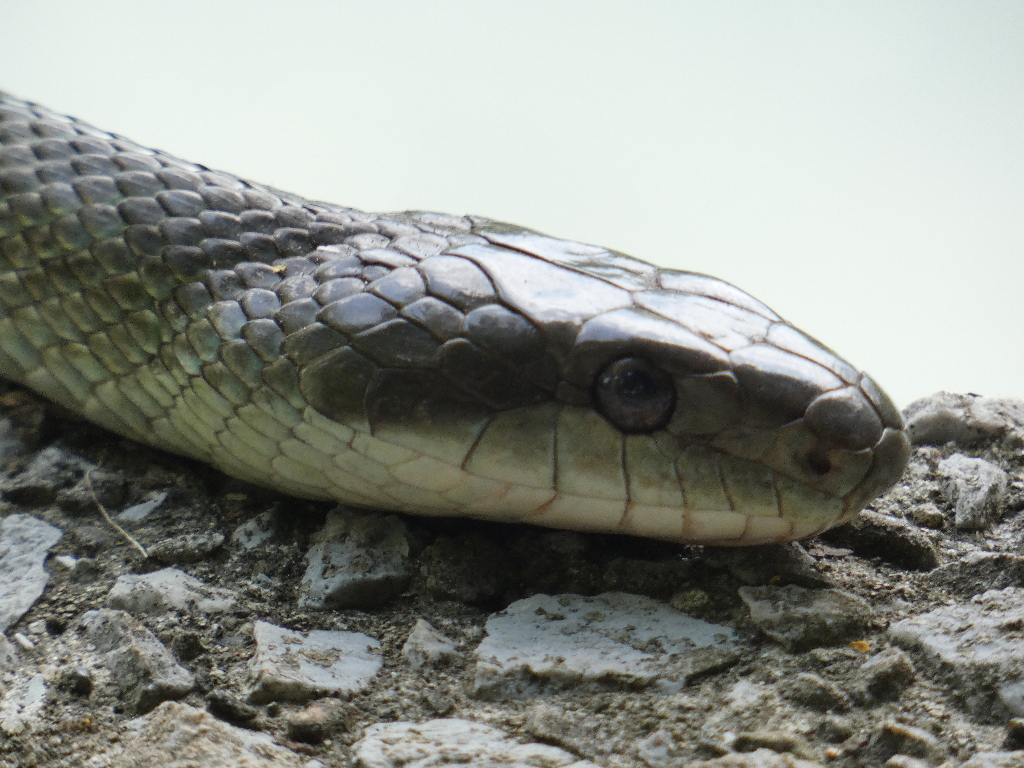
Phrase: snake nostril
x=819 y=463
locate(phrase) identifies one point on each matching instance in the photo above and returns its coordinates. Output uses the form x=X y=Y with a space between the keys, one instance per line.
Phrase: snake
x=418 y=362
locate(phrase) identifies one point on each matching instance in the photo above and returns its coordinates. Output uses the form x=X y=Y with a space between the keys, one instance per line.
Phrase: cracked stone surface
x=546 y=642
x=801 y=618
x=291 y=666
x=976 y=648
x=975 y=487
x=426 y=646
x=454 y=742
x=180 y=736
x=143 y=668
x=357 y=559
x=167 y=589
x=24 y=544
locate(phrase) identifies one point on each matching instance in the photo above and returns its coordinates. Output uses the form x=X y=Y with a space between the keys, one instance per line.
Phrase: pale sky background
x=858 y=166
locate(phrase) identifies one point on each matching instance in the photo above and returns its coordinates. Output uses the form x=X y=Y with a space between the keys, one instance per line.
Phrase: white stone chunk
x=964 y=419
x=21 y=703
x=24 y=543
x=255 y=531
x=144 y=670
x=975 y=488
x=143 y=509
x=548 y=642
x=454 y=742
x=426 y=646
x=357 y=560
x=976 y=648
x=165 y=590
x=8 y=655
x=290 y=666
x=179 y=736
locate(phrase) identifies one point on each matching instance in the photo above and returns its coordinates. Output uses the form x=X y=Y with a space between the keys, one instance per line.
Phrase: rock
x=78 y=681
x=974 y=487
x=319 y=720
x=252 y=533
x=872 y=534
x=1014 y=734
x=144 y=671
x=744 y=701
x=835 y=729
x=452 y=742
x=800 y=619
x=189 y=548
x=24 y=544
x=50 y=471
x=773 y=564
x=550 y=724
x=775 y=740
x=439 y=701
x=995 y=760
x=898 y=738
x=884 y=676
x=8 y=655
x=979 y=571
x=290 y=666
x=964 y=419
x=224 y=706
x=21 y=703
x=928 y=515
x=815 y=692
x=142 y=510
x=761 y=758
x=166 y=590
x=550 y=642
x=906 y=761
x=426 y=645
x=976 y=649
x=659 y=750
x=80 y=569
x=188 y=645
x=357 y=559
x=93 y=540
x=179 y=736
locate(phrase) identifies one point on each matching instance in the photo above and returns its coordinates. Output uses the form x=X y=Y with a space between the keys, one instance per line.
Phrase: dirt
x=464 y=571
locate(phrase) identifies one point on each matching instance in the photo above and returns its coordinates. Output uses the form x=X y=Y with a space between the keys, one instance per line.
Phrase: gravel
x=262 y=630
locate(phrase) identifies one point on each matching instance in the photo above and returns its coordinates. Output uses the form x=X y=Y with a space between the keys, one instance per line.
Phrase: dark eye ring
x=634 y=395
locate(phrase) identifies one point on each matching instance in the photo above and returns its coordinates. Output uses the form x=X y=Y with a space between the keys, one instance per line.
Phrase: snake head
x=699 y=414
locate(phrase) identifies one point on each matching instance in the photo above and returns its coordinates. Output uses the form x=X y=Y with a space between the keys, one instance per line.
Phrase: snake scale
x=418 y=362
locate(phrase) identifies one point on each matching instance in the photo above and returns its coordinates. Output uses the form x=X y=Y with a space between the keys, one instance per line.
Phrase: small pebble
x=189 y=548
x=319 y=720
x=230 y=709
x=427 y=646
x=77 y=681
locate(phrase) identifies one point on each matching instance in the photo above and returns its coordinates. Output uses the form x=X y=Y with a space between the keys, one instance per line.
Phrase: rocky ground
x=157 y=613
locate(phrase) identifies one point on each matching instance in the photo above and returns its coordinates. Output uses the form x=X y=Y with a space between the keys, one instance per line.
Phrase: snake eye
x=634 y=395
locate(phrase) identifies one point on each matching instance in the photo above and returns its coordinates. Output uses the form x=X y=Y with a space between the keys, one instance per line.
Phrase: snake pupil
x=635 y=395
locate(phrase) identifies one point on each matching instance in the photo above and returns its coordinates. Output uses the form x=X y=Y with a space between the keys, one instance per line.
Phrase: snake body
x=417 y=362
